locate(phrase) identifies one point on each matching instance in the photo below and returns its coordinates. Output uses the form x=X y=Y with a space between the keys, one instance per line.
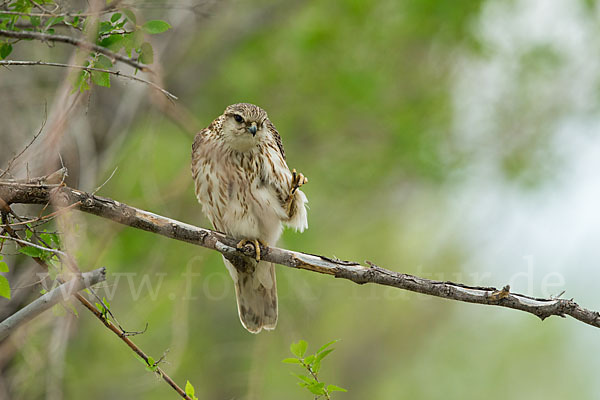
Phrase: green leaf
x=101 y=78
x=46 y=238
x=84 y=86
x=323 y=354
x=132 y=41
x=190 y=391
x=327 y=345
x=106 y=302
x=31 y=251
x=5 y=50
x=103 y=62
x=310 y=359
x=316 y=366
x=308 y=379
x=74 y=23
x=105 y=27
x=151 y=365
x=298 y=349
x=113 y=42
x=55 y=239
x=317 y=388
x=46 y=255
x=35 y=20
x=115 y=17
x=155 y=26
x=130 y=15
x=334 y=388
x=28 y=234
x=4 y=287
x=291 y=361
x=54 y=21
x=3 y=266
x=146 y=54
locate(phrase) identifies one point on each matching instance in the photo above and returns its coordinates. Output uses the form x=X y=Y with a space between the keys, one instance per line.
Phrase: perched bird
x=247 y=191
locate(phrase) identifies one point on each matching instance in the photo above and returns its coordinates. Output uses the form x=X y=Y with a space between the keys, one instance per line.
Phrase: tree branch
x=108 y=71
x=62 y=196
x=46 y=37
x=43 y=303
x=47 y=13
x=5 y=208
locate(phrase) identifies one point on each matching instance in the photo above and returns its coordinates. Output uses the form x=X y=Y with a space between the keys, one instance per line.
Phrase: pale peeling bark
x=62 y=196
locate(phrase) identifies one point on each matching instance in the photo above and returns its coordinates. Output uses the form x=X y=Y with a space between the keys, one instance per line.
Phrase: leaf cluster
x=116 y=30
x=104 y=308
x=312 y=363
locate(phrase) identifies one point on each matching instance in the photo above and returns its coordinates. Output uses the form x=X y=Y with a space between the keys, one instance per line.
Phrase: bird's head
x=244 y=125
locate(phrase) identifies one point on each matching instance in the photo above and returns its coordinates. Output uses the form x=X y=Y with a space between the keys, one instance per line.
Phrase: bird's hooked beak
x=252 y=129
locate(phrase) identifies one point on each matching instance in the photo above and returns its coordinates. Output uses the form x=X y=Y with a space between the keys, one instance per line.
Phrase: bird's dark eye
x=238 y=118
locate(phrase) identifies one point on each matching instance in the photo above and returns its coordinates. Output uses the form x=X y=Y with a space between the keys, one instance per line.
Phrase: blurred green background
x=451 y=140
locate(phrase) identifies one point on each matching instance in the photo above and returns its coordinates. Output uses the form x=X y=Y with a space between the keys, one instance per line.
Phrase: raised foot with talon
x=298 y=179
x=254 y=242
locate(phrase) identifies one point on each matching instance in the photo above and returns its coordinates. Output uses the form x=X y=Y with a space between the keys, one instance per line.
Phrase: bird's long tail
x=256 y=294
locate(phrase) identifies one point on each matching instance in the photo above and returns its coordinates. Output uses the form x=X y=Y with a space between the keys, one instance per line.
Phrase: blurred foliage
x=370 y=100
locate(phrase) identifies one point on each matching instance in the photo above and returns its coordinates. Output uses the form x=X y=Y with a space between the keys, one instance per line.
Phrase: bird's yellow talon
x=254 y=242
x=298 y=179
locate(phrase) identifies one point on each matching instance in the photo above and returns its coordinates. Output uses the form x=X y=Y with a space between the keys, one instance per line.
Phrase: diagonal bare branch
x=62 y=196
x=43 y=303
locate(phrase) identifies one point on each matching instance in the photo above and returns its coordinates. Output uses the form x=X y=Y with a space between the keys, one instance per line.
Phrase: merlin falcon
x=248 y=192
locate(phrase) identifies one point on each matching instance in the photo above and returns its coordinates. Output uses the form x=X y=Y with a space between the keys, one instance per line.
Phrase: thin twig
x=42 y=9
x=105 y=182
x=37 y=246
x=65 y=14
x=63 y=196
x=12 y=160
x=46 y=37
x=44 y=218
x=116 y=73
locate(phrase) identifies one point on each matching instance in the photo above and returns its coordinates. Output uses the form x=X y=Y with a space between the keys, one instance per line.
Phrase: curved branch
x=108 y=71
x=46 y=37
x=62 y=196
